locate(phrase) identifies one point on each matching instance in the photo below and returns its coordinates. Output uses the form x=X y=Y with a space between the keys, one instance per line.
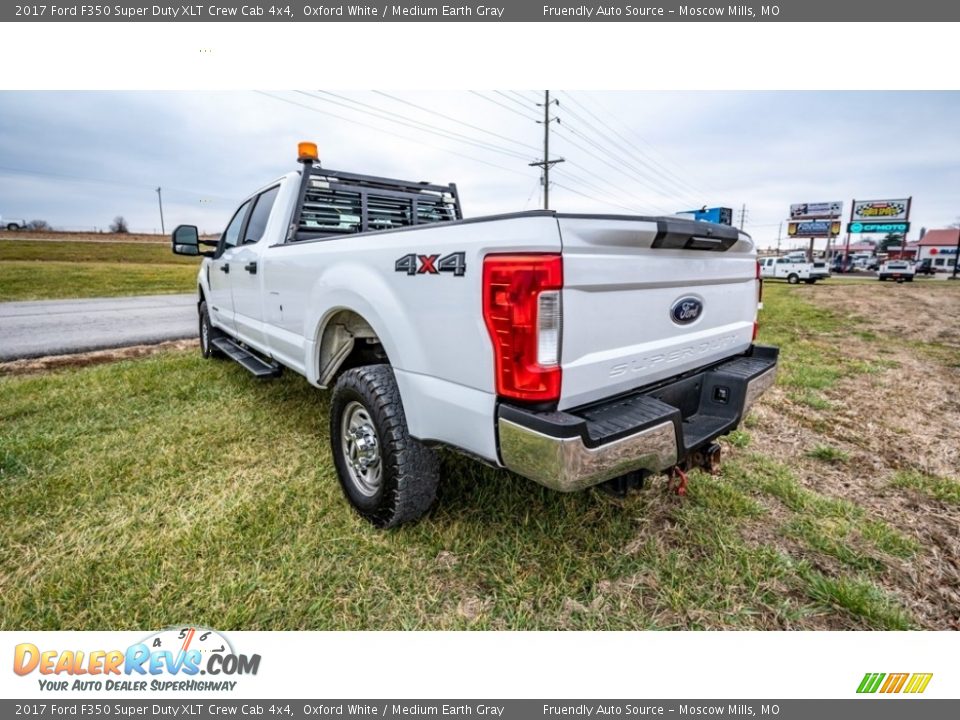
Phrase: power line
x=389 y=132
x=590 y=197
x=505 y=107
x=413 y=124
x=608 y=164
x=112 y=183
x=683 y=193
x=635 y=134
x=453 y=119
x=637 y=176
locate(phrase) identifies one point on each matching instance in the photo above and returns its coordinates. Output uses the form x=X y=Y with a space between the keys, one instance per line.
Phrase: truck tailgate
x=648 y=299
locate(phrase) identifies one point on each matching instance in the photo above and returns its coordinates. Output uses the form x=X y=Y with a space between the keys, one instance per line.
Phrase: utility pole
x=743 y=214
x=779 y=235
x=547 y=163
x=163 y=230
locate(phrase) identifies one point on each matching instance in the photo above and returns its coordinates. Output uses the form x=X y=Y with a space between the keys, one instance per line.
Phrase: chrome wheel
x=361 y=451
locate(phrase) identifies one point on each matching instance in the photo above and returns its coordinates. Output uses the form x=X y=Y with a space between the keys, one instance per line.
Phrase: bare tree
x=119 y=225
x=39 y=226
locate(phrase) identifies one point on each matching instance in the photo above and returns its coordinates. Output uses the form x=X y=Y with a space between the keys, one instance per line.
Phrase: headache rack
x=333 y=203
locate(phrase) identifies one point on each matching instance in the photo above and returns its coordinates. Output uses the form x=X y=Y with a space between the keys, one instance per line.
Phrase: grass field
x=47 y=269
x=175 y=490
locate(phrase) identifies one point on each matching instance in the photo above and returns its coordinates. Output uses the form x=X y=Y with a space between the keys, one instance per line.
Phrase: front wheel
x=387 y=476
x=793 y=278
x=207 y=334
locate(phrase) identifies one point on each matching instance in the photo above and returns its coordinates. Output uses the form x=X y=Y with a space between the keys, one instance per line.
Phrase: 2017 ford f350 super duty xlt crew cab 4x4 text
x=573 y=350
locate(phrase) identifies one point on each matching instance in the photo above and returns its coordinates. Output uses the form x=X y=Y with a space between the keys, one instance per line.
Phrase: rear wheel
x=793 y=278
x=207 y=334
x=13 y=226
x=387 y=476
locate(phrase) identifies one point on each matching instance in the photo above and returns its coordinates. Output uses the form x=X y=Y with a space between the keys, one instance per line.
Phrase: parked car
x=842 y=264
x=900 y=270
x=572 y=349
x=873 y=263
x=924 y=267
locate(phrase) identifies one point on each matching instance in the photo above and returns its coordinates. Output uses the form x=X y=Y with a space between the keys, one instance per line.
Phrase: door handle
x=251 y=267
x=225 y=267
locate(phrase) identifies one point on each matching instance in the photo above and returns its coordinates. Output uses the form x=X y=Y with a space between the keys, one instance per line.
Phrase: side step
x=258 y=367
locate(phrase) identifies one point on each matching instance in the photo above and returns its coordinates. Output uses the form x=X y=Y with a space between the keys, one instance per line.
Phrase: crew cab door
x=247 y=280
x=223 y=264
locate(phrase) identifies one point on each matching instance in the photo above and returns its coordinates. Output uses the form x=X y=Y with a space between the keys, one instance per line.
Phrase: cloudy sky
x=77 y=159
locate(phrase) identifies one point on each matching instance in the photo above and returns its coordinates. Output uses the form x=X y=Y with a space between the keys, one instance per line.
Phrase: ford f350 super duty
x=571 y=349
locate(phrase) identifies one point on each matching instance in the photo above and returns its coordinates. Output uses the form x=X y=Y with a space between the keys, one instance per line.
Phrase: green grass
x=23 y=280
x=940 y=488
x=92 y=252
x=829 y=454
x=41 y=270
x=171 y=489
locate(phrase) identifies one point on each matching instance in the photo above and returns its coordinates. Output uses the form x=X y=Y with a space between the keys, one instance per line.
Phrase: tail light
x=523 y=314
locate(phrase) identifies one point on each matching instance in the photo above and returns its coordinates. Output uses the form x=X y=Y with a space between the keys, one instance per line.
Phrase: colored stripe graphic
x=870 y=682
x=918 y=683
x=894 y=683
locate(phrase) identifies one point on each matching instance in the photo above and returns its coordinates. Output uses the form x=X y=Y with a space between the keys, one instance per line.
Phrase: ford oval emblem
x=686 y=310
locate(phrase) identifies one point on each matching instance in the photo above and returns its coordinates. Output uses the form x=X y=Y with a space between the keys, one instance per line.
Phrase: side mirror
x=186 y=240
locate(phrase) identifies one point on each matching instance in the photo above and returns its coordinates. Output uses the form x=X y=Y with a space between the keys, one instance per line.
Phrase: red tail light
x=525 y=345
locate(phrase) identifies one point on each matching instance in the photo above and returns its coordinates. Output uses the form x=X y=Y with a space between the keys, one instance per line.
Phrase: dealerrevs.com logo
x=179 y=659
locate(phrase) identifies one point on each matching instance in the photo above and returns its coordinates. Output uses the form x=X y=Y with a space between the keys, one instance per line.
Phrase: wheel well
x=347 y=341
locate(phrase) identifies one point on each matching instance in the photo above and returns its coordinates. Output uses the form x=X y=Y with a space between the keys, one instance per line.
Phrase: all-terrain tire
x=207 y=334
x=366 y=401
x=793 y=278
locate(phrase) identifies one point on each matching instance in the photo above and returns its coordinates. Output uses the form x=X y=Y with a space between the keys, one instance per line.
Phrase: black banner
x=854 y=11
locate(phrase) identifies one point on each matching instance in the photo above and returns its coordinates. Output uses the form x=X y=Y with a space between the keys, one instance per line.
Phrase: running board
x=257 y=367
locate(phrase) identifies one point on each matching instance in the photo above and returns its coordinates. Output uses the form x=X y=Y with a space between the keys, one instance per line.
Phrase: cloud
x=77 y=159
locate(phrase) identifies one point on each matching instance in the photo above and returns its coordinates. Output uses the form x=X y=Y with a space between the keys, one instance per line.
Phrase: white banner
x=809 y=211
x=511 y=665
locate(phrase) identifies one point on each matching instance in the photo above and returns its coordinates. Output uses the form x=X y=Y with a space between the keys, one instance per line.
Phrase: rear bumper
x=652 y=429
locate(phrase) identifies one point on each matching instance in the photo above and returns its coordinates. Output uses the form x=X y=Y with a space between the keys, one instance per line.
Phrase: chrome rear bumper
x=569 y=451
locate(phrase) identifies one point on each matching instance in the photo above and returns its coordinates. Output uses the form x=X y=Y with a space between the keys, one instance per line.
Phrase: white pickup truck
x=793 y=269
x=899 y=270
x=571 y=349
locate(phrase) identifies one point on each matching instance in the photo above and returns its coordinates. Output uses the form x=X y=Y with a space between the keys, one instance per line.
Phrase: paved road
x=57 y=327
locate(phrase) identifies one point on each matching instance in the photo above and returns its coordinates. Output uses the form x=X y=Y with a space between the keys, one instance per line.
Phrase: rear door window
x=260 y=214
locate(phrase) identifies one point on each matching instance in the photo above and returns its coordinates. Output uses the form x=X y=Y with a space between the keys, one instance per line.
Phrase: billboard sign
x=815 y=210
x=814 y=228
x=886 y=210
x=878 y=227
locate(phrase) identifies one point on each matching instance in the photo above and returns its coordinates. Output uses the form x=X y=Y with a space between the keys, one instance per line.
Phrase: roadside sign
x=878 y=227
x=814 y=228
x=816 y=210
x=880 y=210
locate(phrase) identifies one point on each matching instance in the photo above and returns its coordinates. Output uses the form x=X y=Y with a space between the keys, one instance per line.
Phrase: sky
x=78 y=159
